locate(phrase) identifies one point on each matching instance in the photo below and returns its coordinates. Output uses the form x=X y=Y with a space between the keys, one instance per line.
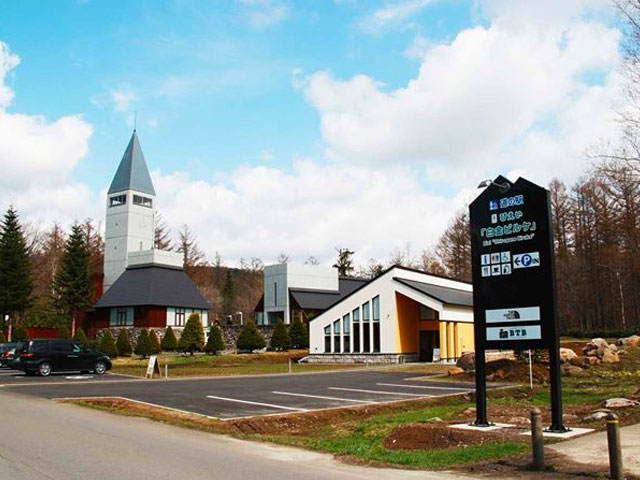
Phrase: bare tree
x=454 y=247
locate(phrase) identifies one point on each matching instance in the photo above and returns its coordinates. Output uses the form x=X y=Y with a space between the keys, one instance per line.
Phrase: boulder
x=613 y=347
x=571 y=370
x=519 y=421
x=453 y=371
x=467 y=361
x=593 y=360
x=632 y=341
x=566 y=355
x=599 y=415
x=600 y=343
x=434 y=420
x=620 y=403
x=610 y=356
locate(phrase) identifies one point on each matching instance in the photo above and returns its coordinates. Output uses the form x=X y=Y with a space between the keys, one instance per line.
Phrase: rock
x=579 y=361
x=610 y=357
x=469 y=411
x=622 y=351
x=519 y=420
x=467 y=361
x=632 y=341
x=596 y=416
x=613 y=347
x=453 y=371
x=600 y=343
x=571 y=370
x=566 y=355
x=593 y=360
x=434 y=420
x=620 y=403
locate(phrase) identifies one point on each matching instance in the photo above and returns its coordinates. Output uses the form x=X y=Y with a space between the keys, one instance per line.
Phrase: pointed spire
x=132 y=173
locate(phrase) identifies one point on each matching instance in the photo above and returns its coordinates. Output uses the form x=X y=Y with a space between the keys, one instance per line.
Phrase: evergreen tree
x=280 y=338
x=299 y=334
x=81 y=337
x=250 y=338
x=16 y=282
x=143 y=344
x=228 y=295
x=73 y=286
x=154 y=342
x=124 y=343
x=169 y=341
x=20 y=333
x=344 y=262
x=63 y=332
x=215 y=343
x=108 y=345
x=3 y=339
x=192 y=337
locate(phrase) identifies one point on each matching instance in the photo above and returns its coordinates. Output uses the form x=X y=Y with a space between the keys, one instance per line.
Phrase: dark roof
x=323 y=299
x=447 y=295
x=153 y=285
x=132 y=173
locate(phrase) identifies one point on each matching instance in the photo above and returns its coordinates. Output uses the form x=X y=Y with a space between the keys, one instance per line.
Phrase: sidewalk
x=592 y=449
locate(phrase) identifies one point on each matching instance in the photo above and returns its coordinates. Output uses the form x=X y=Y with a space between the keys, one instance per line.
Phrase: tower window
x=117 y=200
x=142 y=201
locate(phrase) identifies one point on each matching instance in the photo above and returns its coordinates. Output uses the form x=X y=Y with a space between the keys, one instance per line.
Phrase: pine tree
x=143 y=344
x=154 y=342
x=108 y=345
x=63 y=332
x=344 y=262
x=73 y=285
x=250 y=338
x=81 y=337
x=228 y=295
x=16 y=282
x=20 y=333
x=192 y=337
x=215 y=343
x=162 y=235
x=124 y=343
x=299 y=334
x=169 y=341
x=280 y=337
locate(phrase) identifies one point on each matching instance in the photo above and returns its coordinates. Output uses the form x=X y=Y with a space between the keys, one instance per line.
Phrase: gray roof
x=323 y=299
x=153 y=285
x=132 y=173
x=447 y=295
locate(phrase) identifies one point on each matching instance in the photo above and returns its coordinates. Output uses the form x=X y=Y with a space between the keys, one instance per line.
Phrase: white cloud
x=499 y=97
x=122 y=100
x=419 y=48
x=393 y=14
x=262 y=14
x=37 y=157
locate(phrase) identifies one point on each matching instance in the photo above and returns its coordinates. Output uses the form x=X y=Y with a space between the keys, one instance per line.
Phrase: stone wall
x=370 y=358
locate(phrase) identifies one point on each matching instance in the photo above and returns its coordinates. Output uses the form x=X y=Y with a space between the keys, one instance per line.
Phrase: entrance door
x=428 y=341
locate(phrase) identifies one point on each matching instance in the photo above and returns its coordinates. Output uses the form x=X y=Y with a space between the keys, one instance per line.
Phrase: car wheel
x=100 y=367
x=44 y=369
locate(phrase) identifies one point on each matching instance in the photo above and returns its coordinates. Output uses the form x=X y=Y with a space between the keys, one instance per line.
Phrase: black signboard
x=514 y=300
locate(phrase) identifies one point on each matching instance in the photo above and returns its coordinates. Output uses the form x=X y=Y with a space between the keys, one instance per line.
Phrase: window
x=179 y=317
x=117 y=200
x=346 y=333
x=366 y=328
x=275 y=293
x=259 y=318
x=336 y=336
x=356 y=330
x=427 y=314
x=121 y=316
x=327 y=339
x=376 y=324
x=142 y=201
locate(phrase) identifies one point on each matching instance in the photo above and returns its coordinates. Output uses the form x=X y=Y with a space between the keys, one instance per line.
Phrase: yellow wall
x=407 y=318
x=465 y=337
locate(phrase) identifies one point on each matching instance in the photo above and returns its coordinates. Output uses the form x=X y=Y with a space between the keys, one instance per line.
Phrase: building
x=401 y=315
x=143 y=286
x=300 y=291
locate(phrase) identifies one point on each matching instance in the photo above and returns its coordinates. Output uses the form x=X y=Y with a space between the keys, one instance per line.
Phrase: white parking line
x=422 y=386
x=282 y=407
x=322 y=397
x=379 y=392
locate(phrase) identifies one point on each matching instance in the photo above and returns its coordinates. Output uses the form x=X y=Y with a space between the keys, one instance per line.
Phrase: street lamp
x=502 y=186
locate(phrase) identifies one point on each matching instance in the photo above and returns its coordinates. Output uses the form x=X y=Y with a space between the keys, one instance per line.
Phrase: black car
x=6 y=353
x=46 y=356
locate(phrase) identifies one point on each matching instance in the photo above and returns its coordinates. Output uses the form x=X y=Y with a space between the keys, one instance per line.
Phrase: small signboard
x=436 y=354
x=153 y=367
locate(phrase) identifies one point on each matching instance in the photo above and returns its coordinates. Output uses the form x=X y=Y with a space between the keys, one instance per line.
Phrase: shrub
x=81 y=337
x=250 y=338
x=124 y=343
x=63 y=332
x=19 y=333
x=215 y=343
x=169 y=341
x=154 y=342
x=3 y=339
x=299 y=334
x=280 y=338
x=143 y=344
x=108 y=344
x=192 y=337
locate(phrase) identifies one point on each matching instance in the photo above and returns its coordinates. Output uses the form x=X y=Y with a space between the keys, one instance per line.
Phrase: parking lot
x=228 y=398
x=17 y=378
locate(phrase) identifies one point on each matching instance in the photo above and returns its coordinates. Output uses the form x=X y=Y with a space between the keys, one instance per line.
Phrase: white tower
x=130 y=212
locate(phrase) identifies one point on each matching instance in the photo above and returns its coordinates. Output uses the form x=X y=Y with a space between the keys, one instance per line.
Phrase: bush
x=280 y=338
x=250 y=338
x=143 y=344
x=108 y=344
x=192 y=337
x=3 y=339
x=215 y=343
x=81 y=337
x=169 y=341
x=63 y=332
x=299 y=334
x=124 y=343
x=154 y=342
x=19 y=333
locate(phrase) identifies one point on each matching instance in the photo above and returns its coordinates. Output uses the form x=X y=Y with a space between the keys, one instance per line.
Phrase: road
x=41 y=439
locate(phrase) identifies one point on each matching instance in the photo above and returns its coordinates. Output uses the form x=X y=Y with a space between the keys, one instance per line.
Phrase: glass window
x=346 y=324
x=142 y=201
x=365 y=312
x=346 y=330
x=121 y=316
x=179 y=317
x=376 y=324
x=356 y=330
x=427 y=313
x=336 y=336
x=366 y=329
x=117 y=200
x=260 y=318
x=327 y=339
x=376 y=309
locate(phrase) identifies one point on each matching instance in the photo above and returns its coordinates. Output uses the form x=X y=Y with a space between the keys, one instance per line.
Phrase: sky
x=296 y=127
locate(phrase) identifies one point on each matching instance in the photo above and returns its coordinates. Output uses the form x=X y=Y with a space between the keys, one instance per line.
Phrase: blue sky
x=298 y=126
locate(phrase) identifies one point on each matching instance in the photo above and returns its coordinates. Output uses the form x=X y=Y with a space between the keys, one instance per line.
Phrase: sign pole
x=481 y=390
